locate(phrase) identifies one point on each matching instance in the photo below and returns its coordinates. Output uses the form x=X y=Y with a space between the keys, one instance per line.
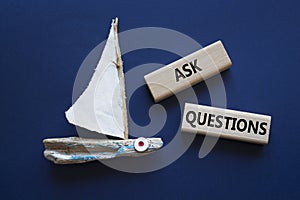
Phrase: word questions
x=226 y=123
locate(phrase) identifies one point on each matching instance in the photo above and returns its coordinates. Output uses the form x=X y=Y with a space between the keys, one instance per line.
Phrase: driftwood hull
x=72 y=150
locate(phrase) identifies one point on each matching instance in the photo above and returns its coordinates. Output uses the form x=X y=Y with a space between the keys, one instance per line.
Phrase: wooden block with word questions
x=225 y=123
x=188 y=71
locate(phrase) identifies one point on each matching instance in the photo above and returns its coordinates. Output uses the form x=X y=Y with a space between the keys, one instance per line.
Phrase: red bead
x=141 y=143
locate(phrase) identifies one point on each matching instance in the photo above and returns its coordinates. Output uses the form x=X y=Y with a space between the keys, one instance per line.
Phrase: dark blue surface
x=42 y=44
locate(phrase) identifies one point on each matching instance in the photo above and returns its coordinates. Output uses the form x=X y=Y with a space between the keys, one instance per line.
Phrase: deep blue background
x=42 y=44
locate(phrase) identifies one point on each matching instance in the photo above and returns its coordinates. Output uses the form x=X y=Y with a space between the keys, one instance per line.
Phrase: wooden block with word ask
x=188 y=71
x=230 y=124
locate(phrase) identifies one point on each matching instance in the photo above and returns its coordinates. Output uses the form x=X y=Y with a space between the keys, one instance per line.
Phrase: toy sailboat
x=101 y=108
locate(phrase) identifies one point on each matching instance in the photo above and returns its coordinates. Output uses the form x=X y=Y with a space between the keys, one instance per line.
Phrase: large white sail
x=102 y=107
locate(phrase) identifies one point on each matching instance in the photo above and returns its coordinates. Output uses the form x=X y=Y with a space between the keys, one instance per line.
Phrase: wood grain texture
x=119 y=65
x=72 y=150
x=225 y=123
x=182 y=73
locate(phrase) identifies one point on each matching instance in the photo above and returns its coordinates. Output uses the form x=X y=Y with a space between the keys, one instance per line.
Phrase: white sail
x=102 y=107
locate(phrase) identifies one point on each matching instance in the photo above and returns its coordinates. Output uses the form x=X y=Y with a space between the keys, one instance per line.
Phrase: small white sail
x=102 y=107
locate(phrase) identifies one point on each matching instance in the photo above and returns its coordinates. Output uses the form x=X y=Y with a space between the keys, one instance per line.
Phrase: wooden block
x=188 y=71
x=230 y=124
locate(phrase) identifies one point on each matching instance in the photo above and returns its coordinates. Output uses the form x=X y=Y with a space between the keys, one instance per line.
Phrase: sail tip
x=115 y=21
x=69 y=114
